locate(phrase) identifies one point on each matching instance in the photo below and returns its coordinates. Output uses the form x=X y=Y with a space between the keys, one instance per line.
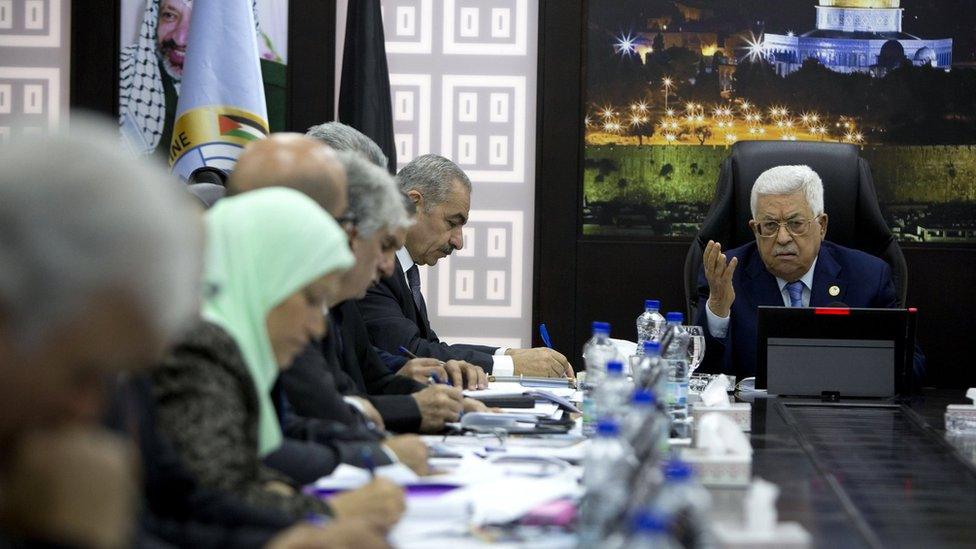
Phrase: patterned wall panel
x=34 y=63
x=463 y=81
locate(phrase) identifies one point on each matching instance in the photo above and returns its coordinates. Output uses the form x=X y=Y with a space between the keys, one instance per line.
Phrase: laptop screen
x=853 y=352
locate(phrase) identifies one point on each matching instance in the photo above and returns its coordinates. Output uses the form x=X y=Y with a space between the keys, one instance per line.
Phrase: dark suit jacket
x=344 y=363
x=864 y=281
x=393 y=320
x=388 y=392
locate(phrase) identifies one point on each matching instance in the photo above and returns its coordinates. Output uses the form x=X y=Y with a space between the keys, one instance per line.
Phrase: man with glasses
x=789 y=264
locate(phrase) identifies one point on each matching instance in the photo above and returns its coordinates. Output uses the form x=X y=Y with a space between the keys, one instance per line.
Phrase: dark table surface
x=863 y=474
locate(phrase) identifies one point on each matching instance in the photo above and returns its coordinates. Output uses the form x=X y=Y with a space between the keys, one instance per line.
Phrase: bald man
x=295 y=161
x=313 y=168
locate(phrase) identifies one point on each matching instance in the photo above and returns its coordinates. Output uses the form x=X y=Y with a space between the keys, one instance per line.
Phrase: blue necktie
x=796 y=293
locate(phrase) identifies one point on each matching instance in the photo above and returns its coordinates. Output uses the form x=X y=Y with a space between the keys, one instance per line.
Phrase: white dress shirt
x=502 y=364
x=719 y=326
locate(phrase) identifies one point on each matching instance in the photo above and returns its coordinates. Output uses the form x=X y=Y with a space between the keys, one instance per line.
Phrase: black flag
x=364 y=91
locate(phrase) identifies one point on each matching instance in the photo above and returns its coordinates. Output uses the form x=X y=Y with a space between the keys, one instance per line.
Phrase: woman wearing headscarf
x=272 y=257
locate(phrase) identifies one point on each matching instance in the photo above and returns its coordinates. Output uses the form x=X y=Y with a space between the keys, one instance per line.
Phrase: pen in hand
x=367 y=457
x=404 y=351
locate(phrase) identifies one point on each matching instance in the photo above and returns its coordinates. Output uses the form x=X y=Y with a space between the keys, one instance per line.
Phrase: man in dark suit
x=789 y=264
x=320 y=408
x=375 y=222
x=395 y=310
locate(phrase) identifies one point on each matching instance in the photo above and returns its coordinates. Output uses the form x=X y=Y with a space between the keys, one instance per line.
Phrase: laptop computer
x=835 y=351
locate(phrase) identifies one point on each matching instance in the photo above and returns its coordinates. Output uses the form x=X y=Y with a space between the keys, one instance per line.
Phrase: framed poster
x=670 y=85
x=153 y=40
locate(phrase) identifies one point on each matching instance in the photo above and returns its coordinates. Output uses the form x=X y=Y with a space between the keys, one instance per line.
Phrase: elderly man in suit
x=789 y=264
x=395 y=310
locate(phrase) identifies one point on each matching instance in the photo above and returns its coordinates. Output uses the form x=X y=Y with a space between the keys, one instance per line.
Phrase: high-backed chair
x=850 y=201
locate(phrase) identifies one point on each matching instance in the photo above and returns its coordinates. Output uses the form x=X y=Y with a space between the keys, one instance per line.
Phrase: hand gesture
x=718 y=273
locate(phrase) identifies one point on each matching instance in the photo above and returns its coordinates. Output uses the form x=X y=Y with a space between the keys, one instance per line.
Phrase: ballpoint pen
x=434 y=379
x=367 y=457
x=404 y=351
x=544 y=334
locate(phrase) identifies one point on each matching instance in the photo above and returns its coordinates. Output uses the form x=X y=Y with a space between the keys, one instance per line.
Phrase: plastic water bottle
x=649 y=371
x=675 y=355
x=686 y=502
x=608 y=467
x=612 y=395
x=649 y=530
x=650 y=324
x=597 y=352
x=646 y=427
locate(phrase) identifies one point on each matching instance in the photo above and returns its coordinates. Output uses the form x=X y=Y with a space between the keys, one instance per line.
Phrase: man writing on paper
x=395 y=310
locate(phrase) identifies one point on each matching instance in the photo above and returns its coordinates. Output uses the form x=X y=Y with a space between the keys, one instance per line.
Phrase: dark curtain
x=364 y=90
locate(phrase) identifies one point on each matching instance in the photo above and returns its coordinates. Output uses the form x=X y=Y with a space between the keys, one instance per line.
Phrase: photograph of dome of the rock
x=671 y=85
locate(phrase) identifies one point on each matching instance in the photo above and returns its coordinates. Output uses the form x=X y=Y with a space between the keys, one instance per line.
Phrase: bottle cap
x=652 y=347
x=615 y=367
x=677 y=471
x=648 y=521
x=675 y=316
x=607 y=428
x=652 y=304
x=643 y=398
x=601 y=327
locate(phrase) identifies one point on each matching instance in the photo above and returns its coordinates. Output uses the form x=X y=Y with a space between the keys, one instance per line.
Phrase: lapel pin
x=834 y=291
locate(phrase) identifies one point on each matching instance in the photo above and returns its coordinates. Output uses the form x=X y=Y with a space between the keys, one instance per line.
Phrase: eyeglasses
x=770 y=228
x=349 y=218
x=318 y=303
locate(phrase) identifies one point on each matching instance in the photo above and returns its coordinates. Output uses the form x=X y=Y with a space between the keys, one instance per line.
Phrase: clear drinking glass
x=696 y=347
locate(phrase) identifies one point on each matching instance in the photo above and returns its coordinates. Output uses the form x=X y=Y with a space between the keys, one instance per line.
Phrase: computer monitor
x=835 y=351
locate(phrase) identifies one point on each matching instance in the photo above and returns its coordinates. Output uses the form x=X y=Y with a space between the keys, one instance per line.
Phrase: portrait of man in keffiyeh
x=150 y=74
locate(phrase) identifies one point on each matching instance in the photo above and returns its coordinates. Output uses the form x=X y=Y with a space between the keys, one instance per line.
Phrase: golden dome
x=861 y=3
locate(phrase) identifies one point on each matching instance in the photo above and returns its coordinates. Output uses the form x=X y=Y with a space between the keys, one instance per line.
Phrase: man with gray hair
x=342 y=137
x=395 y=310
x=101 y=260
x=378 y=221
x=789 y=264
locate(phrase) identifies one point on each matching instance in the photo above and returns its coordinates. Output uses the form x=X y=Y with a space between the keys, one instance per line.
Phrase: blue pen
x=435 y=379
x=544 y=333
x=404 y=351
x=367 y=457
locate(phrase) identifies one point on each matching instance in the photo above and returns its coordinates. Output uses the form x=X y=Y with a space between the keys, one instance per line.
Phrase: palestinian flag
x=239 y=126
x=221 y=107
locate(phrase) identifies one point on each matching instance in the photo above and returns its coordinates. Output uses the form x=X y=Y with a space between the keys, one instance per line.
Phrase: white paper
x=348 y=477
x=511 y=388
x=542 y=409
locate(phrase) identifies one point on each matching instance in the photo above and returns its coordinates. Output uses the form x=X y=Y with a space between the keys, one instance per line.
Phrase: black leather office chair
x=850 y=201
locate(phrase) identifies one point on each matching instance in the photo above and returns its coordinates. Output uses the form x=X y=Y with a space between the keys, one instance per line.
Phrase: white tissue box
x=960 y=418
x=719 y=470
x=787 y=535
x=739 y=412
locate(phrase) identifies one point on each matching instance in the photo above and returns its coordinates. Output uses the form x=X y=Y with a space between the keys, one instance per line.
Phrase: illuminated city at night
x=672 y=84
